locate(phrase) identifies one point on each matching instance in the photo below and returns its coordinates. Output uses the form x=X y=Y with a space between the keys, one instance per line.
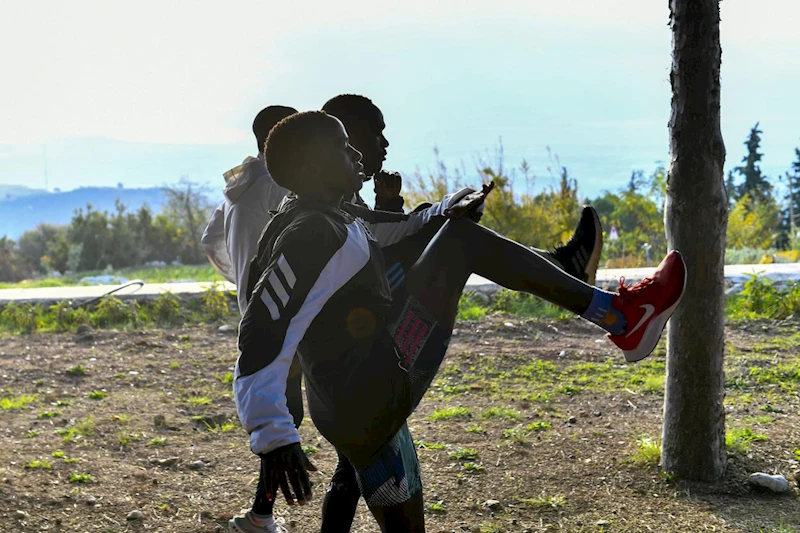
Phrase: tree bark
x=693 y=439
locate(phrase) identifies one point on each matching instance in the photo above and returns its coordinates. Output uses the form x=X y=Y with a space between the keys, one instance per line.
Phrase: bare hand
x=470 y=202
x=287 y=467
x=387 y=184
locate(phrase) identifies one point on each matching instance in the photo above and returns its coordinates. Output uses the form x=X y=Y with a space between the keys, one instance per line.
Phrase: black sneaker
x=581 y=255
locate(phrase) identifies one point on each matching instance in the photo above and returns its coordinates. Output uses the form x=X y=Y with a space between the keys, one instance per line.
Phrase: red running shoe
x=648 y=305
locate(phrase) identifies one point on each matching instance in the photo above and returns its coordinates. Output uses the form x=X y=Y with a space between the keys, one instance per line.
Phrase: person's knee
x=344 y=477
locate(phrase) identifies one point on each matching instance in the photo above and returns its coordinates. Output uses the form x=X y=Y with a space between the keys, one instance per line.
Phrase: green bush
x=22 y=318
x=524 y=304
x=470 y=307
x=112 y=311
x=65 y=318
x=166 y=309
x=215 y=303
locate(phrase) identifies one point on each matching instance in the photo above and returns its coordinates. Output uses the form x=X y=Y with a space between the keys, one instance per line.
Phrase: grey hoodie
x=231 y=238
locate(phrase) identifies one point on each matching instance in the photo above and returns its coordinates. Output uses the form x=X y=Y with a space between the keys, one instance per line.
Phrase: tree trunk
x=693 y=440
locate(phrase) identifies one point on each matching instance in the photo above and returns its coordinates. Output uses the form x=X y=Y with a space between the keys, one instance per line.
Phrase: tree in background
x=637 y=214
x=755 y=184
x=752 y=224
x=753 y=196
x=188 y=209
x=95 y=240
x=693 y=436
x=13 y=267
x=791 y=214
x=45 y=248
x=533 y=219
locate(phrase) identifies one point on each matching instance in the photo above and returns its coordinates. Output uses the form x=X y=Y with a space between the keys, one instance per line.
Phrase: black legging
x=341 y=498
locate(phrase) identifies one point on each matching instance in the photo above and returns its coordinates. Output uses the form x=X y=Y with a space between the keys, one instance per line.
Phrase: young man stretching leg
x=369 y=352
x=365 y=125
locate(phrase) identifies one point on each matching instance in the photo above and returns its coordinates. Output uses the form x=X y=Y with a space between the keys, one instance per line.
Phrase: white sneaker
x=244 y=524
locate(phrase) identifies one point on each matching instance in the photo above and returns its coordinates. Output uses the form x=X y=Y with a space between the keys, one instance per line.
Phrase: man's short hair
x=266 y=120
x=350 y=107
x=295 y=140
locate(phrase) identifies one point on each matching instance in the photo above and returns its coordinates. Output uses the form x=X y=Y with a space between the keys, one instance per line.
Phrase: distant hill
x=22 y=209
x=11 y=192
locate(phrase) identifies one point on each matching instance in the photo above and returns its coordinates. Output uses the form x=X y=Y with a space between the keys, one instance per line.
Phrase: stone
x=20 y=515
x=572 y=420
x=603 y=523
x=91 y=500
x=135 y=515
x=492 y=505
x=196 y=465
x=775 y=483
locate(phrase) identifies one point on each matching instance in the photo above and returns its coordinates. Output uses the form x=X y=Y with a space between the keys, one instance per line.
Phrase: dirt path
x=531 y=426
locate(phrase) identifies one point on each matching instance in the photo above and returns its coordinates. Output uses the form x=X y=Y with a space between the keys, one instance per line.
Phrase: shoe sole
x=653 y=330
x=594 y=259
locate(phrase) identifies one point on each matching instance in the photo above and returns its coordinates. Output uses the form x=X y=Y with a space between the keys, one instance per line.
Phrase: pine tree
x=791 y=216
x=755 y=184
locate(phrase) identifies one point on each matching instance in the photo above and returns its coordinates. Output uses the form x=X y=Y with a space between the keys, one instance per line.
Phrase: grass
x=83 y=428
x=738 y=440
x=425 y=445
x=450 y=413
x=464 y=454
x=198 y=400
x=544 y=501
x=38 y=464
x=157 y=441
x=503 y=413
x=648 y=452
x=125 y=438
x=517 y=435
x=538 y=426
x=76 y=370
x=437 y=508
x=309 y=449
x=471 y=468
x=227 y=378
x=47 y=414
x=97 y=395
x=58 y=454
x=76 y=477
x=474 y=428
x=221 y=428
x=163 y=274
x=18 y=402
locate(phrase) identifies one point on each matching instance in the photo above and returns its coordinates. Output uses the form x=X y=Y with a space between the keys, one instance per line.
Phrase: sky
x=99 y=93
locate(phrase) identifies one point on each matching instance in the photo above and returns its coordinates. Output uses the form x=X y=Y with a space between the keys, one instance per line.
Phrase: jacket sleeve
x=308 y=264
x=389 y=228
x=213 y=242
x=245 y=226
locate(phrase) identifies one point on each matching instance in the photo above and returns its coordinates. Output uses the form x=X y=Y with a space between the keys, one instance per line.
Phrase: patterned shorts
x=394 y=476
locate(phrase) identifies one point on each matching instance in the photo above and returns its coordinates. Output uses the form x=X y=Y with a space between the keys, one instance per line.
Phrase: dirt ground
x=531 y=426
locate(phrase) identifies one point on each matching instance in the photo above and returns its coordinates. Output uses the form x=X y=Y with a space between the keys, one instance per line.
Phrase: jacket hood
x=242 y=177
